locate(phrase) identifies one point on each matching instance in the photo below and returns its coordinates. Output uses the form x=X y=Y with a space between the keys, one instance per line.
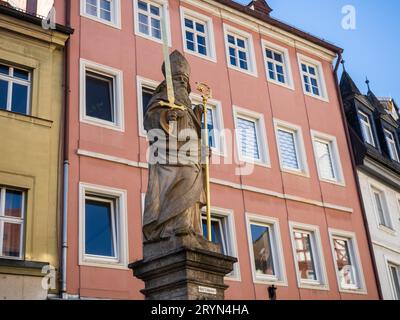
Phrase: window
x=312 y=77
x=250 y=135
x=198 y=36
x=239 y=50
x=105 y=11
x=381 y=208
x=366 y=128
x=290 y=147
x=223 y=233
x=15 y=88
x=394 y=271
x=101 y=96
x=265 y=249
x=392 y=146
x=148 y=21
x=145 y=90
x=216 y=138
x=12 y=214
x=347 y=261
x=327 y=157
x=308 y=255
x=103 y=227
x=277 y=64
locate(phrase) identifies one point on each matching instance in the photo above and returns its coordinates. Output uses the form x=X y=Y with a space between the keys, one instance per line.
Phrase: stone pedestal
x=183 y=268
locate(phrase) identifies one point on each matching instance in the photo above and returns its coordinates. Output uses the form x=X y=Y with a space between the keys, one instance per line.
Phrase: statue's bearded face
x=182 y=89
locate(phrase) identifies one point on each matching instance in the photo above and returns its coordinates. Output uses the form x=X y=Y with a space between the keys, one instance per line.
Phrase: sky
x=372 y=49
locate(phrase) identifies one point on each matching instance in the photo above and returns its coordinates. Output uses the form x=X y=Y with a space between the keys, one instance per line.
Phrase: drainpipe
x=354 y=168
x=64 y=247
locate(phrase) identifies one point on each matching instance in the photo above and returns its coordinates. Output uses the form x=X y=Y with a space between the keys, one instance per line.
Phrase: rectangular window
x=265 y=249
x=308 y=254
x=100 y=227
x=288 y=149
x=106 y=11
x=305 y=255
x=15 y=89
x=12 y=214
x=251 y=137
x=275 y=62
x=394 y=271
x=347 y=266
x=101 y=97
x=366 y=128
x=145 y=91
x=103 y=229
x=147 y=94
x=196 y=36
x=323 y=153
x=381 y=208
x=248 y=138
x=239 y=50
x=149 y=14
x=392 y=146
x=218 y=232
x=312 y=76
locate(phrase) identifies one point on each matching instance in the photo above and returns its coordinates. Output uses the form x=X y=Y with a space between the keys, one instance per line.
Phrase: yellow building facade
x=31 y=133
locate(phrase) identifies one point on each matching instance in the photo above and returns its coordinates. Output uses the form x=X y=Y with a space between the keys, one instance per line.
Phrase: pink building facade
x=292 y=218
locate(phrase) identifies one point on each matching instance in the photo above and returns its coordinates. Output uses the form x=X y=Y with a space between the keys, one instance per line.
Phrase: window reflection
x=263 y=258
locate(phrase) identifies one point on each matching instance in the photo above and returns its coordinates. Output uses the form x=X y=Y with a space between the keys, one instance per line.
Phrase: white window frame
x=360 y=287
x=320 y=77
x=258 y=119
x=280 y=278
x=368 y=125
x=229 y=230
x=299 y=144
x=143 y=83
x=118 y=96
x=19 y=221
x=392 y=141
x=164 y=6
x=287 y=68
x=318 y=256
x=335 y=157
x=216 y=106
x=250 y=50
x=386 y=212
x=120 y=198
x=389 y=262
x=11 y=80
x=209 y=33
x=115 y=17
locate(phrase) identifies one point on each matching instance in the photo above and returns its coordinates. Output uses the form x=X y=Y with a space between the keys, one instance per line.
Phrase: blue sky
x=372 y=49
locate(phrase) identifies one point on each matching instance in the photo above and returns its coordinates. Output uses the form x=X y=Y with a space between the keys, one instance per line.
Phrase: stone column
x=195 y=270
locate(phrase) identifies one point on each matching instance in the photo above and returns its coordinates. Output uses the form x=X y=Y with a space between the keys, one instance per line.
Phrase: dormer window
x=366 y=128
x=392 y=146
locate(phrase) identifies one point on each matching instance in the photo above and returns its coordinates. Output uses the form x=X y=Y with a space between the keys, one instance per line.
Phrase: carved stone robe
x=175 y=193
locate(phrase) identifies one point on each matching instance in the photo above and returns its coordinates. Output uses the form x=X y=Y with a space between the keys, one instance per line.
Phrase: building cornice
x=31 y=26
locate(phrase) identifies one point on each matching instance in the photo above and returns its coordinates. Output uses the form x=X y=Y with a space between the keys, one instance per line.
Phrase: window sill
x=147 y=37
x=387 y=230
x=337 y=183
x=104 y=265
x=313 y=286
x=22 y=267
x=245 y=161
x=269 y=281
x=353 y=291
x=296 y=172
x=250 y=73
x=103 y=124
x=284 y=85
x=324 y=99
x=26 y=118
x=116 y=25
x=201 y=56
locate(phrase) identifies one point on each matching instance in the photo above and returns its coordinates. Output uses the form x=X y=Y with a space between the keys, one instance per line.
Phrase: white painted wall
x=386 y=243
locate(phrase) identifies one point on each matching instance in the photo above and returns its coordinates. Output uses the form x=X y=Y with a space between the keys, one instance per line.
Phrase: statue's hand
x=174 y=115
